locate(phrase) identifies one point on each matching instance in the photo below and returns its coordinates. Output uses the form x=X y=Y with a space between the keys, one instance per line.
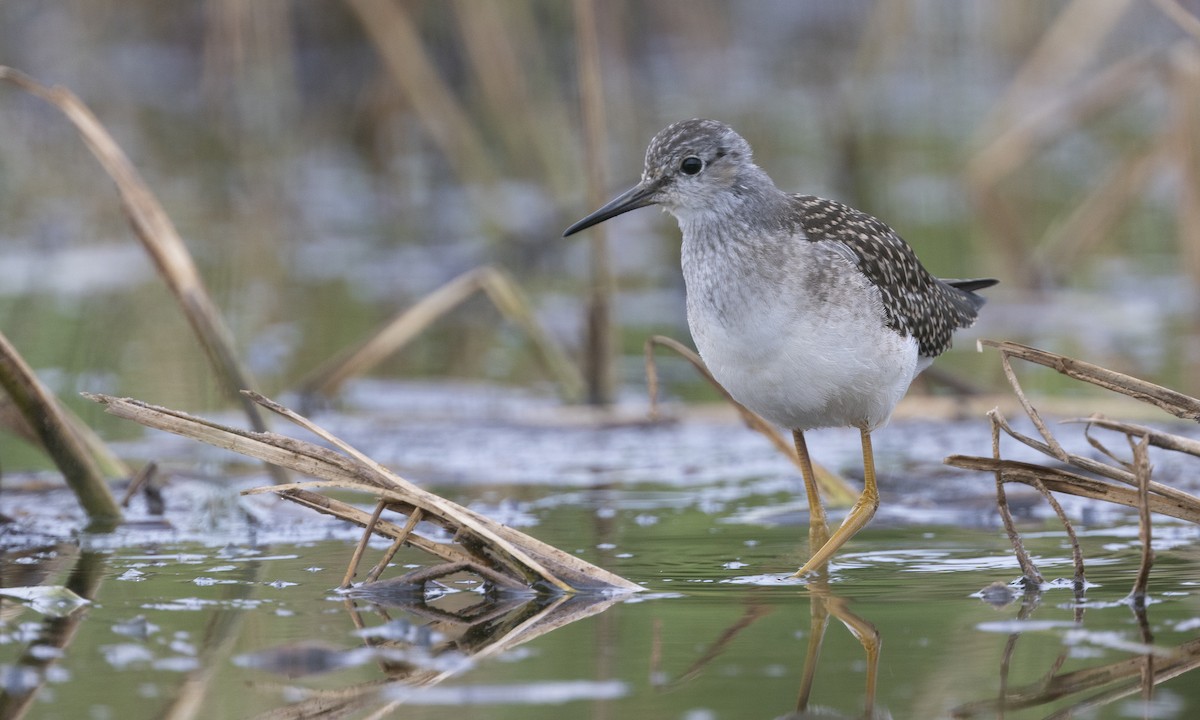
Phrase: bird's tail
x=966 y=294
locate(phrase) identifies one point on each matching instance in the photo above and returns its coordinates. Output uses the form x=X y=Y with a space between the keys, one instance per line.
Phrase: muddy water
x=228 y=609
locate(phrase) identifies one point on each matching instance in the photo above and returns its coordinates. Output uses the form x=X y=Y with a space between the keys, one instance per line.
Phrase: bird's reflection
x=826 y=603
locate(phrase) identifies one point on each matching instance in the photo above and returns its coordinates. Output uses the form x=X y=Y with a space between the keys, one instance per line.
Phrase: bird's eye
x=691 y=165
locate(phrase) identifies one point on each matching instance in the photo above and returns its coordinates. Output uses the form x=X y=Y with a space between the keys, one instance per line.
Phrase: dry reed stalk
x=1089 y=223
x=53 y=429
x=1069 y=45
x=481 y=543
x=1033 y=577
x=138 y=481
x=1115 y=680
x=1180 y=140
x=368 y=531
x=1178 y=404
x=1143 y=494
x=14 y=422
x=839 y=493
x=1188 y=22
x=500 y=289
x=599 y=370
x=1141 y=465
x=399 y=43
x=1156 y=438
x=508 y=55
x=1074 y=484
x=159 y=237
x=409 y=525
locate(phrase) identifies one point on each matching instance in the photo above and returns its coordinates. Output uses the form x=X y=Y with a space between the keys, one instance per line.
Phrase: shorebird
x=809 y=312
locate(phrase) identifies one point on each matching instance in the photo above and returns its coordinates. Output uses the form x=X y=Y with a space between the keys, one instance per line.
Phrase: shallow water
x=214 y=615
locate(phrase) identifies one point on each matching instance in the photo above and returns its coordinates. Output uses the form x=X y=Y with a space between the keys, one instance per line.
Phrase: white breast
x=796 y=333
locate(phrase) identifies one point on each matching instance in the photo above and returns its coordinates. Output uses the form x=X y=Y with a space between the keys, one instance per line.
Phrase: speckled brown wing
x=916 y=302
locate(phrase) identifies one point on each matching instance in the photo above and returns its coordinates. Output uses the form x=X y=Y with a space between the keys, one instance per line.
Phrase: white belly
x=802 y=355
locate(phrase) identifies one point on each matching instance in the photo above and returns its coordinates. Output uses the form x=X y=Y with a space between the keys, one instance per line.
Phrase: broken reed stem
x=599 y=351
x=143 y=476
x=45 y=416
x=1103 y=449
x=1076 y=553
x=465 y=519
x=161 y=240
x=414 y=517
x=368 y=531
x=1107 y=471
x=1029 y=570
x=500 y=289
x=1176 y=403
x=839 y=493
x=1073 y=484
x=1145 y=495
x=1156 y=438
x=1054 y=448
x=1141 y=464
x=485 y=541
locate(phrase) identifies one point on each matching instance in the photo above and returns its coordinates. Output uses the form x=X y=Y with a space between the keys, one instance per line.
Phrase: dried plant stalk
x=1074 y=484
x=1156 y=438
x=1141 y=464
x=1176 y=403
x=1120 y=679
x=54 y=431
x=404 y=53
x=839 y=493
x=1033 y=577
x=481 y=542
x=1137 y=491
x=497 y=285
x=599 y=352
x=159 y=237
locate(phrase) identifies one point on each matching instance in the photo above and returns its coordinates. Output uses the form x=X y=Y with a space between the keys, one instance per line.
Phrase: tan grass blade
x=399 y=43
x=1157 y=438
x=599 y=351
x=1141 y=465
x=1074 y=484
x=1124 y=674
x=1178 y=404
x=54 y=431
x=481 y=540
x=159 y=237
x=497 y=285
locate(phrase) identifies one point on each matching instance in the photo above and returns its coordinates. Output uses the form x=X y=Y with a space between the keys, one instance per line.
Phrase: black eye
x=691 y=165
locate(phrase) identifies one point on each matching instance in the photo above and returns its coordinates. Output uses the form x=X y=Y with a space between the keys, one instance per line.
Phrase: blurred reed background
x=330 y=163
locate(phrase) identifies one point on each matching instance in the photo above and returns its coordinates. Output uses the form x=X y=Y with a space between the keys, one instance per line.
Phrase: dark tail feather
x=972 y=285
x=966 y=299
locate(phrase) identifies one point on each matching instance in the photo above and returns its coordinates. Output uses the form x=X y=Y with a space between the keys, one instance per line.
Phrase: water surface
x=229 y=609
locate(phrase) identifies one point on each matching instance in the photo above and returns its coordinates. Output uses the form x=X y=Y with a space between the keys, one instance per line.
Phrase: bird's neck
x=750 y=211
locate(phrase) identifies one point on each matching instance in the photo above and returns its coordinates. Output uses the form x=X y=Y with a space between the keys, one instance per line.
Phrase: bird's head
x=691 y=166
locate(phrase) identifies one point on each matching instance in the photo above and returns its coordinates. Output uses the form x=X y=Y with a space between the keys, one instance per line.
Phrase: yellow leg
x=860 y=514
x=818 y=526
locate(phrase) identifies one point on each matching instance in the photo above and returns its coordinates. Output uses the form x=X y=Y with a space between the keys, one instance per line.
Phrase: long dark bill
x=635 y=197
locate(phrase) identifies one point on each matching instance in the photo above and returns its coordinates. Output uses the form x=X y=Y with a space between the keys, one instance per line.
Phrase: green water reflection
x=241 y=631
